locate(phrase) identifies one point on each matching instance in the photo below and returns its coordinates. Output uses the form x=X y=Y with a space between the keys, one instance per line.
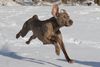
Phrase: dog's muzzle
x=70 y=22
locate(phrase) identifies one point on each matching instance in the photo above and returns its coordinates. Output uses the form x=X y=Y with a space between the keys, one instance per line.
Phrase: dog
x=48 y=31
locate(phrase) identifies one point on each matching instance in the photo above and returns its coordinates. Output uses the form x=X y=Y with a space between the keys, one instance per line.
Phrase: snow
x=8 y=3
x=82 y=40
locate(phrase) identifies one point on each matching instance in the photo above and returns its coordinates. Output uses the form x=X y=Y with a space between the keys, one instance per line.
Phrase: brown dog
x=48 y=31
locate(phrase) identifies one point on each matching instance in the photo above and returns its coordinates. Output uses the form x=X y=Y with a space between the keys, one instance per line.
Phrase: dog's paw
x=17 y=36
x=57 y=50
x=27 y=42
x=71 y=61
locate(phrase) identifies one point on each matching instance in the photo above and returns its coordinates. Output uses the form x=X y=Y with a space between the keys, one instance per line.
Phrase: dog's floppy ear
x=55 y=10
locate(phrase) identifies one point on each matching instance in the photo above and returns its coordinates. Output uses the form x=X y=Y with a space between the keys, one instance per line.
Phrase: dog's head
x=63 y=19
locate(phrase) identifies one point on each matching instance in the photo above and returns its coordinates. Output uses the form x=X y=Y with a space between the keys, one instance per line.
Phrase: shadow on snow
x=7 y=53
x=88 y=63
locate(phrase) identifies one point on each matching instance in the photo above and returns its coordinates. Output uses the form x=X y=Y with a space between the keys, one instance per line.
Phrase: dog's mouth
x=70 y=22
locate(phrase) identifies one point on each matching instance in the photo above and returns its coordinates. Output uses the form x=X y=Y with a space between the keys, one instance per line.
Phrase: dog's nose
x=70 y=22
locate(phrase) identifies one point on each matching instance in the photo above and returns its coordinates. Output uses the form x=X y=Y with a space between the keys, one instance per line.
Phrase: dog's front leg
x=58 y=34
x=64 y=51
x=57 y=48
x=61 y=44
x=32 y=37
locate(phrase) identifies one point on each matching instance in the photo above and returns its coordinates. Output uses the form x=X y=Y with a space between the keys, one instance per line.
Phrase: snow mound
x=12 y=4
x=84 y=43
x=8 y=3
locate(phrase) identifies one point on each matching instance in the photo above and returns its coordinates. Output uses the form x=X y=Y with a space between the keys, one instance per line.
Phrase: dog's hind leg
x=18 y=35
x=54 y=42
x=22 y=33
x=32 y=37
x=25 y=29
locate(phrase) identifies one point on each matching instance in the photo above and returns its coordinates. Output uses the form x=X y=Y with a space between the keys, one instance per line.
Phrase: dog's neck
x=55 y=24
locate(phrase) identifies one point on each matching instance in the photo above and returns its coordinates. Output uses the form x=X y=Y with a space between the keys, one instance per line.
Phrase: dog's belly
x=43 y=37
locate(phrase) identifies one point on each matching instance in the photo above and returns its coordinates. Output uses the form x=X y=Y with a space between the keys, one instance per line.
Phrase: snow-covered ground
x=82 y=39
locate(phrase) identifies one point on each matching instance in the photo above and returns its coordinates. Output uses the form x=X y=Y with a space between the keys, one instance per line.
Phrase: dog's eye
x=64 y=16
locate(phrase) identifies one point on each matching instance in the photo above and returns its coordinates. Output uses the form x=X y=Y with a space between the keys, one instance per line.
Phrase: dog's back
x=43 y=29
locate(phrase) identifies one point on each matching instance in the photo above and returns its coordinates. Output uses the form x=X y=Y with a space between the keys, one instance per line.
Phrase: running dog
x=48 y=31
